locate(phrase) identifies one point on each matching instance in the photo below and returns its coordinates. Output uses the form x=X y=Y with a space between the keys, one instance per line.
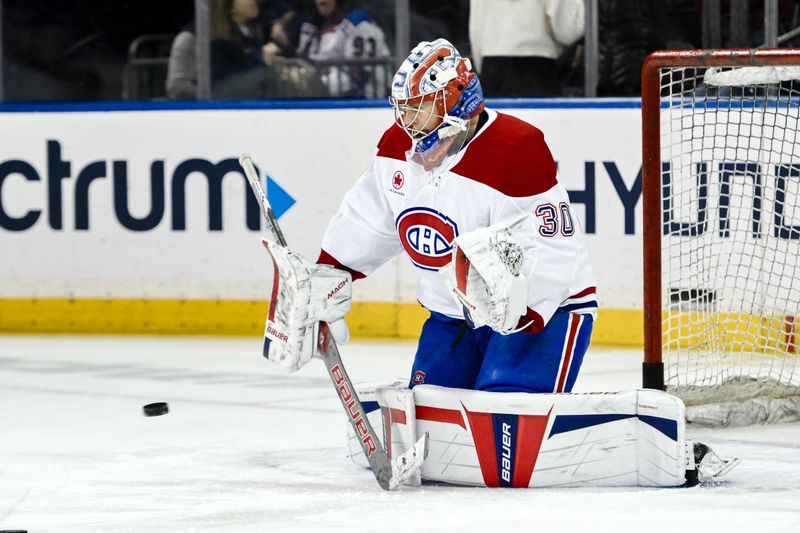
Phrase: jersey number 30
x=555 y=219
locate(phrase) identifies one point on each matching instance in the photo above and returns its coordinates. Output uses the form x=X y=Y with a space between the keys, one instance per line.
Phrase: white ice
x=247 y=447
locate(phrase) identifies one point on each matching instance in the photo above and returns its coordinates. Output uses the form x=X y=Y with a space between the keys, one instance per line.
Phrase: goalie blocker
x=630 y=438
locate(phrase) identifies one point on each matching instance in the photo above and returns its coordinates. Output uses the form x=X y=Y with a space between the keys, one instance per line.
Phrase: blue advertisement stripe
x=354 y=103
x=732 y=103
x=99 y=107
x=374 y=103
x=564 y=103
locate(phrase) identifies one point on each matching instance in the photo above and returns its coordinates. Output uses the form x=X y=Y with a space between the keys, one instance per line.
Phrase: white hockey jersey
x=506 y=174
x=356 y=36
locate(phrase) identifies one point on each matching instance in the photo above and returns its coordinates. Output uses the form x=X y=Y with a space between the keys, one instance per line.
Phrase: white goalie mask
x=434 y=96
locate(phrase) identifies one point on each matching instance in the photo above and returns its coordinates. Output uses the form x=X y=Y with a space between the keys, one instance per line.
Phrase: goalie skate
x=708 y=466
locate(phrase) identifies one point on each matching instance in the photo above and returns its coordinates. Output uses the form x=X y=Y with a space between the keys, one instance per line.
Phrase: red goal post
x=705 y=138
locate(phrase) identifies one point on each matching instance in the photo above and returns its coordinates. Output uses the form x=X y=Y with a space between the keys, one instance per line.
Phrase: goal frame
x=653 y=366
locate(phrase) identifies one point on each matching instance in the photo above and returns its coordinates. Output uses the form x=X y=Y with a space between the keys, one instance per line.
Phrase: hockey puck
x=156 y=409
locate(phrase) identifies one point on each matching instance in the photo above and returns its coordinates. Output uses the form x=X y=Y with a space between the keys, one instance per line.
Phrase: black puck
x=13 y=531
x=156 y=409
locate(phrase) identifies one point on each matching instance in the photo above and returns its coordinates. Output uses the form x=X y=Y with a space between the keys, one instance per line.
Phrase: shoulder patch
x=394 y=143
x=512 y=157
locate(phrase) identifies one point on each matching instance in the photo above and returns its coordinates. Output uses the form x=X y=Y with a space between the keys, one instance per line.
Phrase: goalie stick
x=388 y=472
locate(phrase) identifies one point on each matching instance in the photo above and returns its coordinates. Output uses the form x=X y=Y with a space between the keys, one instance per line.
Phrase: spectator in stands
x=241 y=54
x=516 y=43
x=444 y=18
x=629 y=30
x=283 y=20
x=336 y=32
x=181 y=69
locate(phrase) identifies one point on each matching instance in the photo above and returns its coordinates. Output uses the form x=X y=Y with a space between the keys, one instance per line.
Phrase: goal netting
x=727 y=232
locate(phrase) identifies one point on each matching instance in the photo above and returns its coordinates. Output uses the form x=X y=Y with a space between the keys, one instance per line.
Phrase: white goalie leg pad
x=368 y=397
x=627 y=438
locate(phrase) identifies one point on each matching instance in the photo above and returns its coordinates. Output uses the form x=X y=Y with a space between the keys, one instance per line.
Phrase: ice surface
x=247 y=447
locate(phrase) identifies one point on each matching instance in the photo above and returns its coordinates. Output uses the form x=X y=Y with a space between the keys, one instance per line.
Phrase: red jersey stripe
x=575 y=321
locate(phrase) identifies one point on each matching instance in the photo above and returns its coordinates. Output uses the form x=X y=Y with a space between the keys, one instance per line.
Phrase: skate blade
x=721 y=469
x=729 y=465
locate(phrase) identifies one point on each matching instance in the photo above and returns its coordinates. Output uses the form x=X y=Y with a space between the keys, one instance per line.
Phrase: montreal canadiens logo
x=398 y=180
x=427 y=237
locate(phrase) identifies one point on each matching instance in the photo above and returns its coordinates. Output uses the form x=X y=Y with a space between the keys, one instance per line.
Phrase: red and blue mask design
x=434 y=95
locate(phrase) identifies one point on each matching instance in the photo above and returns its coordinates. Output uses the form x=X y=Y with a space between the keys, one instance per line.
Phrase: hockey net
x=721 y=177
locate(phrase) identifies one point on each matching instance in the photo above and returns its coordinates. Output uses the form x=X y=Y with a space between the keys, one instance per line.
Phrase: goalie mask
x=434 y=96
